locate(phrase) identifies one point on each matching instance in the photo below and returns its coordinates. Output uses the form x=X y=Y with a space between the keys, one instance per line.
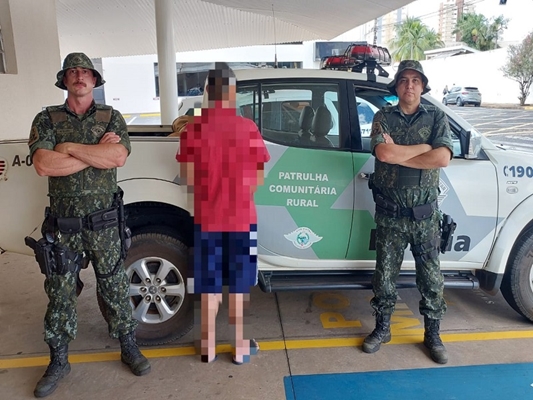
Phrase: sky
x=519 y=13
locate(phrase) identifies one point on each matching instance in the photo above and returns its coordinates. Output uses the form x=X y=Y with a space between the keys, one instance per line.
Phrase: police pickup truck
x=315 y=211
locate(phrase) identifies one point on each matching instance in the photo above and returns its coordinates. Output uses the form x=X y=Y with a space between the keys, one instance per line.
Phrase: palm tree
x=497 y=27
x=480 y=33
x=413 y=38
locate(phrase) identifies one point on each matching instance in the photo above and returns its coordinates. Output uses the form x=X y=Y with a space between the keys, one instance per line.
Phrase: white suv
x=462 y=95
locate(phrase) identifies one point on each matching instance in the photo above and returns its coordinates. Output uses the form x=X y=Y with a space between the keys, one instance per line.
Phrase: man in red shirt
x=223 y=155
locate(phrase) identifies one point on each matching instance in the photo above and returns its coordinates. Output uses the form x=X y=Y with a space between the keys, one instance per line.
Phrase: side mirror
x=471 y=145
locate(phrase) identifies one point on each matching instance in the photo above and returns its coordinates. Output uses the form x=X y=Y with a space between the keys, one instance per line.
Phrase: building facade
x=450 y=12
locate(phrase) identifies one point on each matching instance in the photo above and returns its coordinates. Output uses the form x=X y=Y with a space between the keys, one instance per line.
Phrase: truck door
x=471 y=202
x=23 y=197
x=305 y=206
x=364 y=102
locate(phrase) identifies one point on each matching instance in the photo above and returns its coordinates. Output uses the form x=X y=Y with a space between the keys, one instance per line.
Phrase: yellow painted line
x=323 y=343
x=498 y=131
x=142 y=115
x=415 y=336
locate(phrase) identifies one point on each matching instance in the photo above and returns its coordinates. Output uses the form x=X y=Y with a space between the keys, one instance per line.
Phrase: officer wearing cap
x=411 y=142
x=79 y=145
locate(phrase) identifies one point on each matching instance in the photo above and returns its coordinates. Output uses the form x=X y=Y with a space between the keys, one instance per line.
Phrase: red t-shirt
x=227 y=151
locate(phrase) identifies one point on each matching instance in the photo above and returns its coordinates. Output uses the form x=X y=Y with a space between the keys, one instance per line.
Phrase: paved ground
x=509 y=127
x=300 y=333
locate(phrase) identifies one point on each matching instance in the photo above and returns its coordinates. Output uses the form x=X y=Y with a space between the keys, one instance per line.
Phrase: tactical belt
x=96 y=221
x=389 y=208
x=419 y=212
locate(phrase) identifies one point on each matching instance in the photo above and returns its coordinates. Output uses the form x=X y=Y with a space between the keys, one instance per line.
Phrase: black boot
x=433 y=342
x=381 y=334
x=131 y=355
x=58 y=368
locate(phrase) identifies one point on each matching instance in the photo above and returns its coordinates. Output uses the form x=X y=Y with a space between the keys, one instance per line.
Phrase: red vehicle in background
x=357 y=56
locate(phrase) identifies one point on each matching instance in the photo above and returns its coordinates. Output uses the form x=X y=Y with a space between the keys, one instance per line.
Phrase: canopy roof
x=105 y=28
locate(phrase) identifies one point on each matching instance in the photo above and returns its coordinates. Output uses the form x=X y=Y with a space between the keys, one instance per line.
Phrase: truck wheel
x=517 y=283
x=156 y=266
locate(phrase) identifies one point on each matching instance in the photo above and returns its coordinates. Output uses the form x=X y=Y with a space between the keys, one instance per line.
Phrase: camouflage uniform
x=77 y=195
x=408 y=188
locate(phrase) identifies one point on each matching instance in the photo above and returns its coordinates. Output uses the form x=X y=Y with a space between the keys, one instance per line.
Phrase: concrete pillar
x=166 y=58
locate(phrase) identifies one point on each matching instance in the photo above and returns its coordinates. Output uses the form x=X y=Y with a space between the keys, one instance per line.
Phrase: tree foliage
x=413 y=38
x=480 y=33
x=519 y=66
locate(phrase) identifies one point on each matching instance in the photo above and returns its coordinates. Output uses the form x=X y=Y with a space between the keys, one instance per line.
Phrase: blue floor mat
x=483 y=382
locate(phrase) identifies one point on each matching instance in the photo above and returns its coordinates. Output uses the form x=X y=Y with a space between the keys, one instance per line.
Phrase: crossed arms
x=419 y=156
x=68 y=158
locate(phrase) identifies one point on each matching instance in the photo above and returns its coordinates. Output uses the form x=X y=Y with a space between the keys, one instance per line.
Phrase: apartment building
x=449 y=13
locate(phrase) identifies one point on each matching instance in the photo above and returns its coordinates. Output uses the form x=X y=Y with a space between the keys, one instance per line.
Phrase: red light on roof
x=358 y=56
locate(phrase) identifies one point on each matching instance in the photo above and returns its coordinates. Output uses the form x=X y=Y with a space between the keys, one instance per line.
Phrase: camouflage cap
x=74 y=60
x=412 y=65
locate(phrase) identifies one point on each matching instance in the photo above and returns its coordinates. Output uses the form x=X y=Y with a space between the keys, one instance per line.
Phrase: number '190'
x=518 y=171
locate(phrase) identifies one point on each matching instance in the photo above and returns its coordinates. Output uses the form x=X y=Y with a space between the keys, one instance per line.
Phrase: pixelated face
x=222 y=86
x=410 y=86
x=79 y=81
x=225 y=93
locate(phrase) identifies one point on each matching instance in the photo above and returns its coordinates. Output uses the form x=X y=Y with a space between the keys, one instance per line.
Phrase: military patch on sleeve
x=34 y=136
x=377 y=129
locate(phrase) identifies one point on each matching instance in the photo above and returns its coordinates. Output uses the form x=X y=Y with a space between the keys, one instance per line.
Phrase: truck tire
x=156 y=266
x=517 y=283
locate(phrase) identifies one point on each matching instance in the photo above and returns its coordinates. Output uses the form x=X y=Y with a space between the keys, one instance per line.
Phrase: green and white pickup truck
x=315 y=210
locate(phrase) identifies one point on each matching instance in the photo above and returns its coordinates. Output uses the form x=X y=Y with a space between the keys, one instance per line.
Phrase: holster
x=447 y=227
x=54 y=258
x=124 y=231
x=66 y=260
x=44 y=254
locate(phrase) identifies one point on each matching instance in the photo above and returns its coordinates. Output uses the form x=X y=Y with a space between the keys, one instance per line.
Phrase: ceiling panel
x=104 y=28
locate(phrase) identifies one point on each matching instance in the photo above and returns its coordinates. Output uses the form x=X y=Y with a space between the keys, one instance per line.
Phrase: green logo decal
x=303 y=238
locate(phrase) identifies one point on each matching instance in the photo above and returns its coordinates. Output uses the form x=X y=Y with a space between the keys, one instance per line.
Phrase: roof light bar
x=357 y=56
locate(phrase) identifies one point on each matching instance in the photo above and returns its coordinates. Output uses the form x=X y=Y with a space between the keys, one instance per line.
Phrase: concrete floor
x=299 y=333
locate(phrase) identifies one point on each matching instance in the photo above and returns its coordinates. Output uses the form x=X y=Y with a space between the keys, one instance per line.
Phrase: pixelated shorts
x=224 y=259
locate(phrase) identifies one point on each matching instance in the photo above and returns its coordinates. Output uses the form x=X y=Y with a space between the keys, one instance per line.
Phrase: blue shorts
x=224 y=258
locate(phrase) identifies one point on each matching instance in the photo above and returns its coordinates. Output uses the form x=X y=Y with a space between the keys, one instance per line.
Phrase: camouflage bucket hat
x=74 y=60
x=412 y=65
